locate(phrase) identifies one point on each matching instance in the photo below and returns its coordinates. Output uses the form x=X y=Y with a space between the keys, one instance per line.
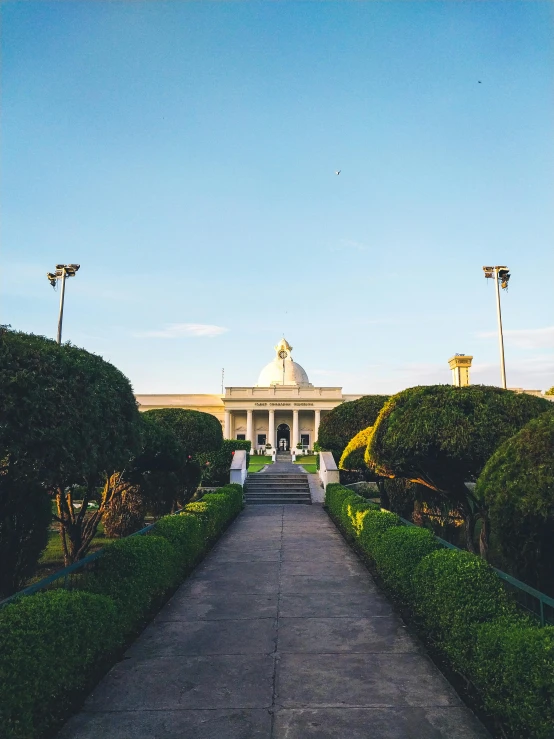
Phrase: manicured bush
x=50 y=645
x=455 y=592
x=374 y=526
x=135 y=572
x=216 y=510
x=398 y=552
x=346 y=420
x=68 y=418
x=184 y=532
x=442 y=436
x=513 y=668
x=352 y=457
x=517 y=485
x=348 y=508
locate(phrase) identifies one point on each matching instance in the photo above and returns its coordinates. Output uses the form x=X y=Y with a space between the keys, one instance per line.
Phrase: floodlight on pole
x=62 y=271
x=501 y=276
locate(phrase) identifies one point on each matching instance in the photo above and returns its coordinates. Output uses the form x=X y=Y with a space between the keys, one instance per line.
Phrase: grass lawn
x=308 y=462
x=258 y=461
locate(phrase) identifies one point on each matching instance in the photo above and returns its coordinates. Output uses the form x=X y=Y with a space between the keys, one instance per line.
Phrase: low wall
x=328 y=472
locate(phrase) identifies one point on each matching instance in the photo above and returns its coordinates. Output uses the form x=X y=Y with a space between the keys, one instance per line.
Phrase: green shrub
x=135 y=572
x=513 y=667
x=346 y=420
x=348 y=508
x=517 y=485
x=375 y=525
x=455 y=592
x=50 y=645
x=185 y=533
x=352 y=457
x=215 y=465
x=398 y=552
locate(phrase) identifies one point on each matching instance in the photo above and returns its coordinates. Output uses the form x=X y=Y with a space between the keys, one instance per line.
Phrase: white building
x=283 y=409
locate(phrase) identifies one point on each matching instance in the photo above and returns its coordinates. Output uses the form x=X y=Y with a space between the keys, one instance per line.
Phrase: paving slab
x=281 y=633
x=344 y=635
x=170 y=724
x=378 y=723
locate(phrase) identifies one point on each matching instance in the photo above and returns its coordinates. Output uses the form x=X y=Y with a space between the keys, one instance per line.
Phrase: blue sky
x=184 y=154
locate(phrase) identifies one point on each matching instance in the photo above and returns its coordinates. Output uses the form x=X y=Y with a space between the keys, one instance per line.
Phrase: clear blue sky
x=184 y=154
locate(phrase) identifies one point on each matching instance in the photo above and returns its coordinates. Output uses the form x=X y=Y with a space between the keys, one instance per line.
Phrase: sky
x=184 y=154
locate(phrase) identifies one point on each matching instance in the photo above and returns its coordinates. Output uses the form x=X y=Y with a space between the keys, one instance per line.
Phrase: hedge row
x=53 y=643
x=463 y=606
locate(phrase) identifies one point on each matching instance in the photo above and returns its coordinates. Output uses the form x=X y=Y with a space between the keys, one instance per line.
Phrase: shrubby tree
x=195 y=433
x=339 y=426
x=517 y=484
x=441 y=436
x=215 y=465
x=550 y=391
x=68 y=419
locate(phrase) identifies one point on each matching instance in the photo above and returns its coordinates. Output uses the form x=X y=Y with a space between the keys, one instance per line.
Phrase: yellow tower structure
x=460 y=364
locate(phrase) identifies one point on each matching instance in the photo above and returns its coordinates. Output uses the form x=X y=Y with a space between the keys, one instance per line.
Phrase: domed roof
x=283 y=370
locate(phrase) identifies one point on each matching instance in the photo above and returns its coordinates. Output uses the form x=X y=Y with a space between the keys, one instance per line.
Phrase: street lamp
x=501 y=276
x=62 y=271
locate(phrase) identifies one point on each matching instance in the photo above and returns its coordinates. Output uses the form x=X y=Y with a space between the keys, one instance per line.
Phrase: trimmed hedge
x=515 y=675
x=463 y=606
x=51 y=643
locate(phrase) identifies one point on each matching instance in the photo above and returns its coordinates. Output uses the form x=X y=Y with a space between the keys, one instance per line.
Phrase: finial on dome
x=283 y=346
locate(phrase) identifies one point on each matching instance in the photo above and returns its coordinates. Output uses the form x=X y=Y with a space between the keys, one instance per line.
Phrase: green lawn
x=257 y=462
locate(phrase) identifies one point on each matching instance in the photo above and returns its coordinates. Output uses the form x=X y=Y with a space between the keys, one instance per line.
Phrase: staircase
x=280 y=483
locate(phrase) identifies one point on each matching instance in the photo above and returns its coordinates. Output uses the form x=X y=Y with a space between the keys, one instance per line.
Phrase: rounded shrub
x=454 y=592
x=517 y=485
x=135 y=572
x=50 y=645
x=343 y=423
x=513 y=668
x=185 y=534
x=374 y=526
x=398 y=552
x=352 y=457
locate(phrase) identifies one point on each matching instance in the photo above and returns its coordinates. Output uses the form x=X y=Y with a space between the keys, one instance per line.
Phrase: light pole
x=500 y=275
x=62 y=271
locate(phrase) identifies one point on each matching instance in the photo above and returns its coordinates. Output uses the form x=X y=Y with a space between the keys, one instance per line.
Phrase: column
x=317 y=419
x=249 y=427
x=271 y=428
x=227 y=434
x=295 y=438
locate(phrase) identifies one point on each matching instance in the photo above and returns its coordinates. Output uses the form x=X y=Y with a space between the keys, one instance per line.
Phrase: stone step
x=276 y=498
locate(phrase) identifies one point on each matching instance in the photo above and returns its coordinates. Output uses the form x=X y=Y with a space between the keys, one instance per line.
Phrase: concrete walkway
x=279 y=634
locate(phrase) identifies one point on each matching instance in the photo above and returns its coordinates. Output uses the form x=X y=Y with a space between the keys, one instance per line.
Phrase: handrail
x=41 y=584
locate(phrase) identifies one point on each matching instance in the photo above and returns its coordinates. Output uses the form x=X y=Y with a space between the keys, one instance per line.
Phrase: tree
x=441 y=436
x=517 y=484
x=68 y=419
x=550 y=391
x=352 y=457
x=216 y=465
x=339 y=426
x=196 y=433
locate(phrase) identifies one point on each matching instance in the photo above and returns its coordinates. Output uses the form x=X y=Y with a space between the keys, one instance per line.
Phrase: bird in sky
x=338 y=171
x=479 y=81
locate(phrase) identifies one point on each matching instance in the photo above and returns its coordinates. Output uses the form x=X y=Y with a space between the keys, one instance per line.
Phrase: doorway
x=283 y=437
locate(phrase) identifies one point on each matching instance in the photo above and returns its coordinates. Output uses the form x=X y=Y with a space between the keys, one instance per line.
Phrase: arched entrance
x=283 y=437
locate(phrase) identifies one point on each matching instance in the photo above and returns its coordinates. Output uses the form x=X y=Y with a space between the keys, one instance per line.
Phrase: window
x=305 y=440
x=261 y=439
x=241 y=437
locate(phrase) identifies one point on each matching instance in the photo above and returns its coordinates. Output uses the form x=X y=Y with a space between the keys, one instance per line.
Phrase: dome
x=272 y=373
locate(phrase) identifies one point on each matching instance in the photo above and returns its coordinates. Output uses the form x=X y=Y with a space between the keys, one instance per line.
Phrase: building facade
x=283 y=409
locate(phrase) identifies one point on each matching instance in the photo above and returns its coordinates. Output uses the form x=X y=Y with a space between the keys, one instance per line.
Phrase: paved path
x=279 y=634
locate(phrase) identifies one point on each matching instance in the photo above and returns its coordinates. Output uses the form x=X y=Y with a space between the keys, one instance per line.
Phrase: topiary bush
x=374 y=526
x=442 y=436
x=184 y=532
x=397 y=553
x=216 y=465
x=341 y=424
x=50 y=645
x=513 y=668
x=135 y=572
x=454 y=592
x=347 y=508
x=352 y=457
x=517 y=485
